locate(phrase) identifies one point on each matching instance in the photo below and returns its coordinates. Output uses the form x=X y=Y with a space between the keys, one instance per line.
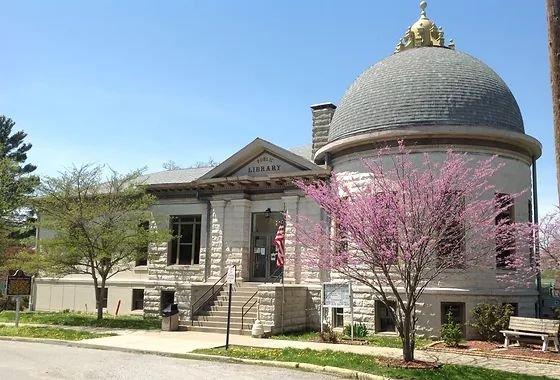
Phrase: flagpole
x=283 y=298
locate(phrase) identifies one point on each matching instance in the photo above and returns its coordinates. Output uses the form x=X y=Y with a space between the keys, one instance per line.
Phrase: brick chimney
x=322 y=115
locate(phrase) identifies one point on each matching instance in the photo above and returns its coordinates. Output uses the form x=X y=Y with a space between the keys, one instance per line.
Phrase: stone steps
x=251 y=314
x=214 y=316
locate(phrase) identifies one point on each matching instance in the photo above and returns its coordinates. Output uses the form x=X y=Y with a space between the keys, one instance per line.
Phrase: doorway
x=263 y=251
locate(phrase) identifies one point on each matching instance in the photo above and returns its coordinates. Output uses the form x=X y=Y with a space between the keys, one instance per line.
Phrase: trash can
x=170 y=318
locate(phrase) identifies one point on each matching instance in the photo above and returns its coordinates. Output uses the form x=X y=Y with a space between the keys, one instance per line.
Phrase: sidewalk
x=188 y=341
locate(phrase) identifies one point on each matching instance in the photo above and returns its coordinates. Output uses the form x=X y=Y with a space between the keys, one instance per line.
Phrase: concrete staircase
x=213 y=317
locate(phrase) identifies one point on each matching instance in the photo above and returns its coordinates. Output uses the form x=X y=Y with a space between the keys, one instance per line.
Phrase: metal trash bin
x=170 y=318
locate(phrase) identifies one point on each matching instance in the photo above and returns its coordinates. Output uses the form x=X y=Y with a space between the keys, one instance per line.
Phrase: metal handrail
x=243 y=312
x=275 y=276
x=214 y=292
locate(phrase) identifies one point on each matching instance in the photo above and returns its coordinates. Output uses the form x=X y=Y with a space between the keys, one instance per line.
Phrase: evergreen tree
x=16 y=186
x=12 y=145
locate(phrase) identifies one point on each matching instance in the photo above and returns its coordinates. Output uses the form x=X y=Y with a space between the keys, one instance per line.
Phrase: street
x=19 y=361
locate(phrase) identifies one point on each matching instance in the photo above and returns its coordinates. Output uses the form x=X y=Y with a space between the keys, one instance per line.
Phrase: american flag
x=279 y=244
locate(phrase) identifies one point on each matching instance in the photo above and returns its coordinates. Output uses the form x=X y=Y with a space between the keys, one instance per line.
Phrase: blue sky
x=138 y=83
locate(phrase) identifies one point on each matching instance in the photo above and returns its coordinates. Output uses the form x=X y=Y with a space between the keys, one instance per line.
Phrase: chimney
x=322 y=115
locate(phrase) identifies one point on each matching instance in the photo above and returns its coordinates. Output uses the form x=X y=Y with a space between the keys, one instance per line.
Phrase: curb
x=336 y=371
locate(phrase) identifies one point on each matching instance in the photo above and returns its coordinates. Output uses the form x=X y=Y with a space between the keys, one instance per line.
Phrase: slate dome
x=426 y=86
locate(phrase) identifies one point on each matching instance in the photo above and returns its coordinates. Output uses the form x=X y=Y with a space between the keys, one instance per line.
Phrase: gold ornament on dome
x=423 y=32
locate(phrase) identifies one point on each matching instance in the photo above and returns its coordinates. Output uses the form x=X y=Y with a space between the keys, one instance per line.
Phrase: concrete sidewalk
x=188 y=341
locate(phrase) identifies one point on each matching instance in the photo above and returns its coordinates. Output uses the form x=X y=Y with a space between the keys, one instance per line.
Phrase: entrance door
x=263 y=256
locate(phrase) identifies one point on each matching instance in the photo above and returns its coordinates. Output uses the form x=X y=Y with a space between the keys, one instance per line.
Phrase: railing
x=243 y=312
x=215 y=288
x=277 y=275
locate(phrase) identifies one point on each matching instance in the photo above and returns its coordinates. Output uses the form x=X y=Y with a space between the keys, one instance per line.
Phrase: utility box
x=170 y=318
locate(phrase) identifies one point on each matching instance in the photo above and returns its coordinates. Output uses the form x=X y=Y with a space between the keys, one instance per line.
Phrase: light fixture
x=267 y=212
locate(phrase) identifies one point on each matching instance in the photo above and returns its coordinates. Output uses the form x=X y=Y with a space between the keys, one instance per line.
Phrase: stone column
x=292 y=263
x=216 y=254
x=239 y=236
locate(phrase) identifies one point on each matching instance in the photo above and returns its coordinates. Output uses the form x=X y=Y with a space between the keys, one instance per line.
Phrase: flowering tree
x=549 y=239
x=408 y=222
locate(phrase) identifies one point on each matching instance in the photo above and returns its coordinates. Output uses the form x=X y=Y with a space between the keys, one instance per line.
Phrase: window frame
x=174 y=247
x=161 y=298
x=462 y=306
x=338 y=316
x=501 y=253
x=143 y=250
x=378 y=305
x=135 y=300
x=456 y=227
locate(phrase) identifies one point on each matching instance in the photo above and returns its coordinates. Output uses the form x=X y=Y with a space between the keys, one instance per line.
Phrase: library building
x=426 y=92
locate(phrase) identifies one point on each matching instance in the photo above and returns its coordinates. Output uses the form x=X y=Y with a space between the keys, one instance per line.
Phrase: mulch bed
x=491 y=349
x=400 y=363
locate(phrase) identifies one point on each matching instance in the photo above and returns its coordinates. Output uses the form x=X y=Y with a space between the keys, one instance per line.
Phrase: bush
x=360 y=330
x=488 y=320
x=451 y=332
x=328 y=335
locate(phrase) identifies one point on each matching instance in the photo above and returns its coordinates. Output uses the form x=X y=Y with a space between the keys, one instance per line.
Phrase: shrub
x=328 y=335
x=360 y=330
x=451 y=332
x=488 y=320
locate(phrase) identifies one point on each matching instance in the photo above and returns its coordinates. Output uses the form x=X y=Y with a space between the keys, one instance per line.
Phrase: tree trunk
x=100 y=297
x=553 y=13
x=408 y=337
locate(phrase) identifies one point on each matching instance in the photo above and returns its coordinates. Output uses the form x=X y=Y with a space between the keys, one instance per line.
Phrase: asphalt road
x=22 y=361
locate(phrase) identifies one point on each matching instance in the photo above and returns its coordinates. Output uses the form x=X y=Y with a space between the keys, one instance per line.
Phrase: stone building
x=427 y=93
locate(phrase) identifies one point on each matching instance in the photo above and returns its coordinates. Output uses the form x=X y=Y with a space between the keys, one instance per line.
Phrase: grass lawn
x=373 y=340
x=365 y=363
x=48 y=332
x=83 y=319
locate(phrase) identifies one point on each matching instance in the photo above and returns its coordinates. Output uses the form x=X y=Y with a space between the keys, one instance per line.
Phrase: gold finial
x=423 y=32
x=423 y=6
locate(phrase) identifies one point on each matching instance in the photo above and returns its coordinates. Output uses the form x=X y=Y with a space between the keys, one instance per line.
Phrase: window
x=384 y=321
x=338 y=317
x=142 y=251
x=167 y=298
x=137 y=299
x=184 y=248
x=451 y=245
x=515 y=307
x=103 y=297
x=457 y=310
x=504 y=246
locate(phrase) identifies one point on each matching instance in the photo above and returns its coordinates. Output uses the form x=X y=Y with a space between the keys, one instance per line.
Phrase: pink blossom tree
x=549 y=241
x=411 y=220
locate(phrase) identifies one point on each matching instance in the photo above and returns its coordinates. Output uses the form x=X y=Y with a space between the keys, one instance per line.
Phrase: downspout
x=536 y=221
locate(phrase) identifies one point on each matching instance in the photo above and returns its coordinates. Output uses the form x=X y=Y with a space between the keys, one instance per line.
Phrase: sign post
x=230 y=280
x=338 y=295
x=18 y=285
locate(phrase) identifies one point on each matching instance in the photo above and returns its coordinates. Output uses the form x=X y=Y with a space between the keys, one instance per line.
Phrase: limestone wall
x=298 y=312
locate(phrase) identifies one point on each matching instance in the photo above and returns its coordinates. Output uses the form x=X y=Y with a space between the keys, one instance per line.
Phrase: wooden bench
x=546 y=329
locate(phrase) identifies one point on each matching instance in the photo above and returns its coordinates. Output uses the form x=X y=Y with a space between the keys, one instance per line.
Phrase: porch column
x=238 y=242
x=216 y=256
x=292 y=262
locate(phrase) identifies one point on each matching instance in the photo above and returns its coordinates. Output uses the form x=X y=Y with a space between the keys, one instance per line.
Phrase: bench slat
x=535 y=325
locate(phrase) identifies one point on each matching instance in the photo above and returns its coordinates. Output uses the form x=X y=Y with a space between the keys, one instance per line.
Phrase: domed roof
x=426 y=86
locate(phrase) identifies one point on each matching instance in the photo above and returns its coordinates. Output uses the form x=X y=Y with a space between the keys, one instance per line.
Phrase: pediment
x=261 y=159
